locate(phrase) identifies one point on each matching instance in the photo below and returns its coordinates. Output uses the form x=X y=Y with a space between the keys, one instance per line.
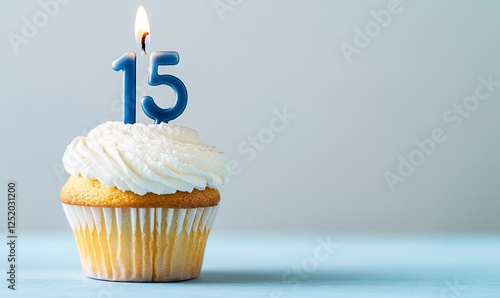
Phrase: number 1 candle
x=127 y=64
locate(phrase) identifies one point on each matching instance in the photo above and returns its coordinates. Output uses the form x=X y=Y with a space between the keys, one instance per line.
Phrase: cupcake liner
x=140 y=244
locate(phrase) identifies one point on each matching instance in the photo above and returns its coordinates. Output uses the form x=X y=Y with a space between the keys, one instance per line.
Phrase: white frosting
x=158 y=158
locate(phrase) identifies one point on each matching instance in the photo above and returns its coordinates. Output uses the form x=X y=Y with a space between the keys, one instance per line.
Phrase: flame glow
x=142 y=26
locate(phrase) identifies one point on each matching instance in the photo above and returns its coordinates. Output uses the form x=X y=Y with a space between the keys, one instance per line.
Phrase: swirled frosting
x=157 y=158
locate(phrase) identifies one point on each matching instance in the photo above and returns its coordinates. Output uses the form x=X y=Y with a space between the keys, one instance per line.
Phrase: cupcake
x=141 y=200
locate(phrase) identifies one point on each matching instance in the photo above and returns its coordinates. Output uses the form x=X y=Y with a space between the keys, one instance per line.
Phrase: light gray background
x=324 y=171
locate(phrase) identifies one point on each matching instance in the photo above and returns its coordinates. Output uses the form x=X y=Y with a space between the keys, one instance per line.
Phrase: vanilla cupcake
x=141 y=200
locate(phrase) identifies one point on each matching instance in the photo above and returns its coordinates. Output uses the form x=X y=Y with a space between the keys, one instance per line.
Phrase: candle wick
x=143 y=42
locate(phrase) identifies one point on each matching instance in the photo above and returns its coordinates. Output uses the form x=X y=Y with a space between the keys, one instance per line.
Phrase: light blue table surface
x=282 y=266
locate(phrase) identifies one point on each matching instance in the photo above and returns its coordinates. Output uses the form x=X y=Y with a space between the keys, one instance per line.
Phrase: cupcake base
x=140 y=244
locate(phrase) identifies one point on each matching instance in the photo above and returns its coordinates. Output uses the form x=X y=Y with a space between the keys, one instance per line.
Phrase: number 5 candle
x=127 y=63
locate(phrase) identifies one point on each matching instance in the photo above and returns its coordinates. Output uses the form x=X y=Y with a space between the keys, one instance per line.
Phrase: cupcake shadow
x=230 y=277
x=333 y=277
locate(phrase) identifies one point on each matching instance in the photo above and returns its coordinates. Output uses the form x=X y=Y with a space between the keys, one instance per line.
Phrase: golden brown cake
x=90 y=192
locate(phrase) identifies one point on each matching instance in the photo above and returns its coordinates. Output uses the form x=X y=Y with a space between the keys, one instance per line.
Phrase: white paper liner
x=140 y=244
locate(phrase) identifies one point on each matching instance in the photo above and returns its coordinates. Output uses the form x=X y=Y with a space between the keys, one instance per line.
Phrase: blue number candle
x=127 y=63
x=148 y=105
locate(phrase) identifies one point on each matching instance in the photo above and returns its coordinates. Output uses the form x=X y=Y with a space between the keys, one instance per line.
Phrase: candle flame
x=142 y=31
